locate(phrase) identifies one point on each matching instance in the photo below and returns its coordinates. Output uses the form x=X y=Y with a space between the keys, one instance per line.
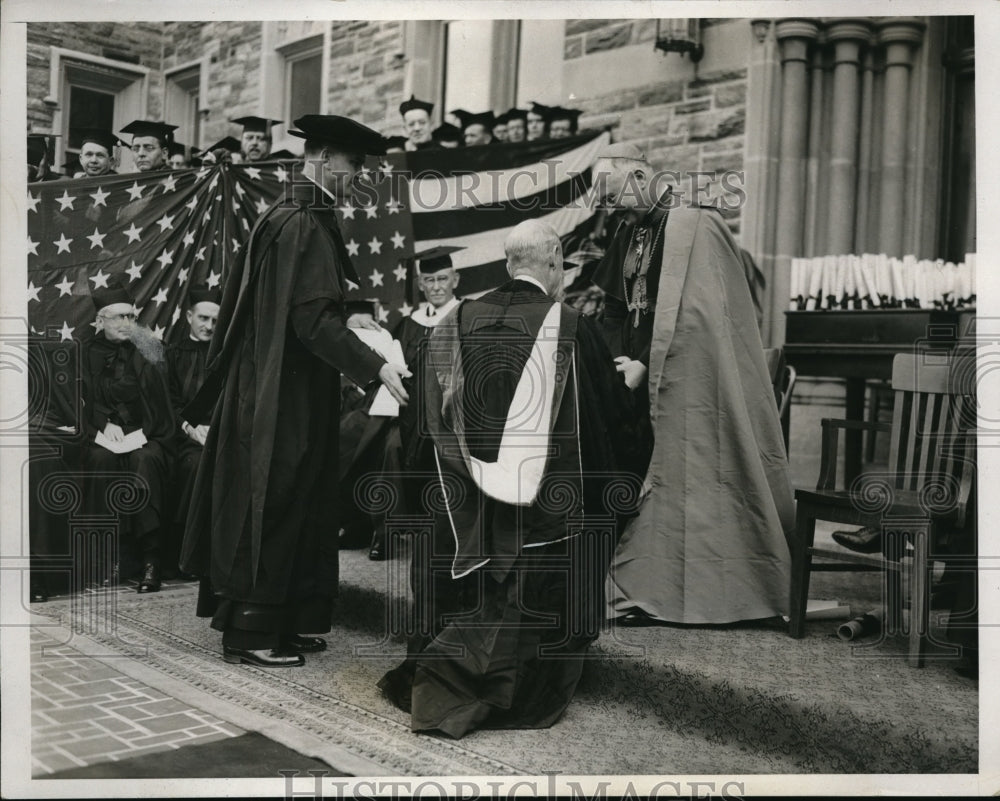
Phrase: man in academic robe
x=255 y=140
x=447 y=135
x=125 y=393
x=186 y=363
x=263 y=520
x=478 y=129
x=718 y=507
x=563 y=122
x=500 y=128
x=537 y=125
x=150 y=141
x=528 y=422
x=416 y=116
x=517 y=120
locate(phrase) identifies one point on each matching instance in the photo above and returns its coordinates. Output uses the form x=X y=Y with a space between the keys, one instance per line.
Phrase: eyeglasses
x=145 y=148
x=117 y=318
x=434 y=280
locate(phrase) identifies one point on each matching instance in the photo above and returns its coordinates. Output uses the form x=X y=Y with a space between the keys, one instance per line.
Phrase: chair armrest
x=831 y=442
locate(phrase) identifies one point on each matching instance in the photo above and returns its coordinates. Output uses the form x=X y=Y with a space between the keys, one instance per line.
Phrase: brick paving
x=84 y=712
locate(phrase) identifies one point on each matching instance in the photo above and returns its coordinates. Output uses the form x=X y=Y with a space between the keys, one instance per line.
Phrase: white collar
x=421 y=317
x=531 y=280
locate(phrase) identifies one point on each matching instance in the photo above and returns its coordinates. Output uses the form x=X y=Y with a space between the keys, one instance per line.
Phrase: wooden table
x=859 y=346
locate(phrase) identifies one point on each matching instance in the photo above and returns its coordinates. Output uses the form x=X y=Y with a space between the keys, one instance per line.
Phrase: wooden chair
x=783 y=380
x=918 y=503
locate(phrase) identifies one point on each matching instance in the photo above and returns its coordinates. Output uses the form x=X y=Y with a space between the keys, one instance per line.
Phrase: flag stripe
x=436 y=194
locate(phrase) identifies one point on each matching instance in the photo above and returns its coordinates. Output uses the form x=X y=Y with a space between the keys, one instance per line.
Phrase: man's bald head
x=533 y=248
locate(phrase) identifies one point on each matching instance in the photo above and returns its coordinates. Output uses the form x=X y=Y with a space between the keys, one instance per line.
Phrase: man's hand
x=198 y=433
x=362 y=320
x=392 y=376
x=633 y=370
x=114 y=432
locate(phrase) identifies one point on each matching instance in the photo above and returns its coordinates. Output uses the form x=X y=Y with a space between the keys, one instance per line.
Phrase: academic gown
x=710 y=542
x=263 y=517
x=526 y=577
x=121 y=386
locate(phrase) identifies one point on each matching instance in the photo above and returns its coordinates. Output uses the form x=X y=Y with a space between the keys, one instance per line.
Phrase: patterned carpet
x=654 y=700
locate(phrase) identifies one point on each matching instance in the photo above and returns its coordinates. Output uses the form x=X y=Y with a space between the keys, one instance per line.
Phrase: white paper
x=131 y=442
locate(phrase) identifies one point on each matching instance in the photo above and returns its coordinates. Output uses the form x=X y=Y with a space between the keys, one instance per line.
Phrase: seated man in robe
x=526 y=423
x=186 y=362
x=129 y=425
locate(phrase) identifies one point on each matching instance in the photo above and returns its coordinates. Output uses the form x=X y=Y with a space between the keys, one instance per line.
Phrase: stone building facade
x=849 y=135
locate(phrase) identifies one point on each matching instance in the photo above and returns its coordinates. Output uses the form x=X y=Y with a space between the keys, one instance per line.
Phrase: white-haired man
x=527 y=422
x=126 y=402
x=679 y=317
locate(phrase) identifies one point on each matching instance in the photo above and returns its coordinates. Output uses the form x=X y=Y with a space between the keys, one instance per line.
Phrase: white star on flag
x=99 y=197
x=406 y=309
x=176 y=315
x=62 y=243
x=191 y=203
x=352 y=247
x=158 y=331
x=201 y=173
x=262 y=205
x=246 y=223
x=400 y=272
x=240 y=190
x=207 y=216
x=351 y=284
x=189 y=238
x=213 y=279
x=375 y=245
x=236 y=244
x=100 y=279
x=135 y=191
x=281 y=174
x=134 y=234
x=236 y=205
x=165 y=258
x=94 y=324
x=371 y=212
x=383 y=315
x=182 y=276
x=348 y=211
x=96 y=239
x=32 y=246
x=200 y=255
x=160 y=297
x=165 y=222
x=169 y=184
x=33 y=291
x=386 y=168
x=66 y=201
x=65 y=287
x=253 y=173
x=364 y=173
x=135 y=271
x=32 y=203
x=397 y=240
x=376 y=278
x=65 y=332
x=394 y=206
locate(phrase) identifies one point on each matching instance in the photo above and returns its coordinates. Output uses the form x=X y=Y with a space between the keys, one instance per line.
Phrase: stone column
x=794 y=37
x=899 y=36
x=866 y=129
x=847 y=36
x=815 y=197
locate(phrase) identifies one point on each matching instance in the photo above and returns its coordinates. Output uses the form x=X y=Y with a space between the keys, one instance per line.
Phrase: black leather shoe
x=113 y=579
x=267 y=658
x=150 y=581
x=298 y=644
x=39 y=594
x=863 y=540
x=377 y=553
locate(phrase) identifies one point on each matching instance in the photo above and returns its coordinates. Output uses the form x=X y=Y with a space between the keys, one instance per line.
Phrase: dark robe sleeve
x=159 y=422
x=317 y=310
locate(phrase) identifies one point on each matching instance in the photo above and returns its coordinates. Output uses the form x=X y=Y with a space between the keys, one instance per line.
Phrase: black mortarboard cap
x=500 y=119
x=462 y=114
x=38 y=146
x=173 y=148
x=560 y=113
x=161 y=130
x=516 y=114
x=541 y=110
x=340 y=132
x=484 y=118
x=230 y=143
x=204 y=294
x=446 y=132
x=435 y=258
x=395 y=142
x=99 y=136
x=251 y=123
x=113 y=293
x=413 y=103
